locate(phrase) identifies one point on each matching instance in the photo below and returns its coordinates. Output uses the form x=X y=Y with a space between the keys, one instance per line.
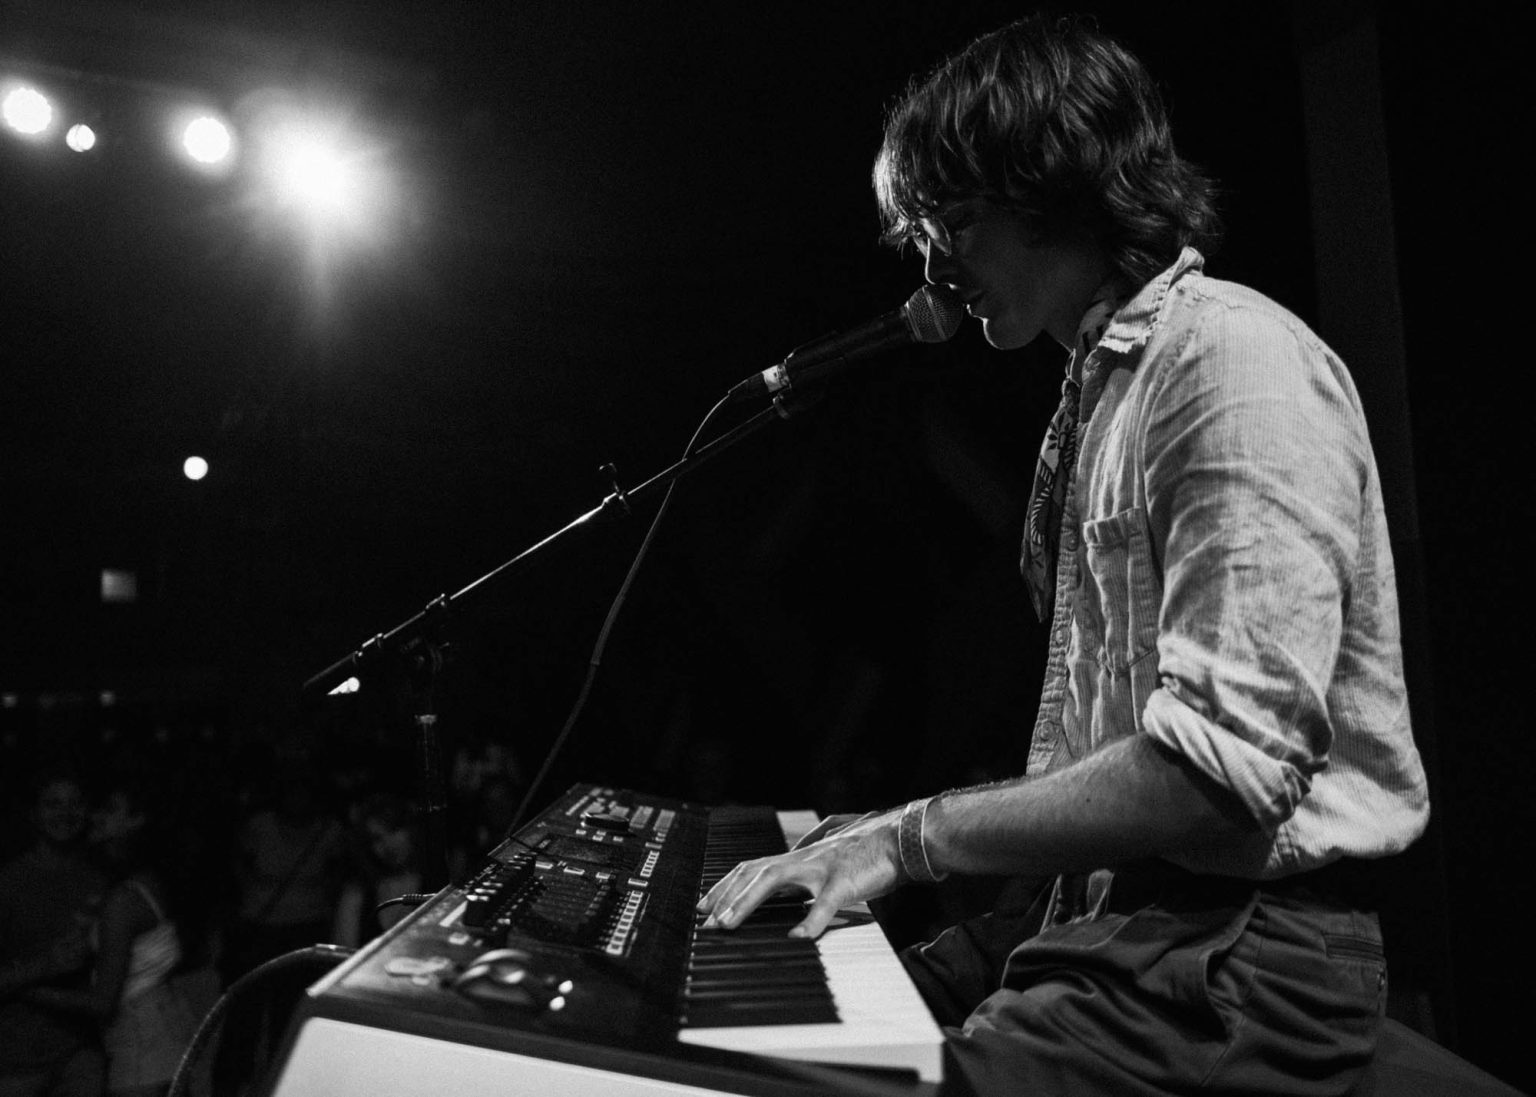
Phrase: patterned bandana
x=1058 y=459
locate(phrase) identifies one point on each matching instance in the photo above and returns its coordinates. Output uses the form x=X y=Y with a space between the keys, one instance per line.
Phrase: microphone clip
x=788 y=404
x=617 y=500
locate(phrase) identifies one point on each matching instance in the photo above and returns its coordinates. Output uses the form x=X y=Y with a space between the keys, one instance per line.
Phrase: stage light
x=118 y=585
x=194 y=468
x=80 y=137
x=207 y=140
x=322 y=181
x=323 y=170
x=311 y=174
x=27 y=110
x=202 y=137
x=317 y=170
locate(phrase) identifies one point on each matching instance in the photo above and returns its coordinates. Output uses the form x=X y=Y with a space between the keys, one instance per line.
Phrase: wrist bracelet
x=914 y=854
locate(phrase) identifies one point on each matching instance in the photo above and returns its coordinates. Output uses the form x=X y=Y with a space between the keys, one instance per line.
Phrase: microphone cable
x=595 y=660
x=321 y=958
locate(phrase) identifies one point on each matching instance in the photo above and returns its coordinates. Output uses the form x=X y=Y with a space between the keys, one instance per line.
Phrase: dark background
x=614 y=212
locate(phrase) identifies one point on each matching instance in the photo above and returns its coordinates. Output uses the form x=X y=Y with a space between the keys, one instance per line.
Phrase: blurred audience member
x=488 y=818
x=290 y=862
x=49 y=896
x=479 y=759
x=138 y=946
x=389 y=866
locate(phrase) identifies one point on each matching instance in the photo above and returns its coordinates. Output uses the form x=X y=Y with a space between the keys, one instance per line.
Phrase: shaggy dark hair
x=1053 y=120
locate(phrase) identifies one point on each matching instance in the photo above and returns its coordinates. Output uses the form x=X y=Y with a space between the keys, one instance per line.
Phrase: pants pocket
x=1359 y=959
x=1304 y=992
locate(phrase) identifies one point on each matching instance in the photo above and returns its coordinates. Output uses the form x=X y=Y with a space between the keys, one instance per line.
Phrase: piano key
x=742 y=1015
x=747 y=960
x=769 y=940
x=785 y=993
x=793 y=981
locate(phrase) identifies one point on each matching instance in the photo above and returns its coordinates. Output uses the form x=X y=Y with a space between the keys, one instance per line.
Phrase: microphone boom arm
x=616 y=505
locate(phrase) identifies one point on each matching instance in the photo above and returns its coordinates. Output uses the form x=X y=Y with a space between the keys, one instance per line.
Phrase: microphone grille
x=934 y=314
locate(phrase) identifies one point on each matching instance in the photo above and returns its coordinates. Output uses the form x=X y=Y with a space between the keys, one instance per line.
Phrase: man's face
x=391 y=845
x=61 y=812
x=1016 y=286
x=115 y=819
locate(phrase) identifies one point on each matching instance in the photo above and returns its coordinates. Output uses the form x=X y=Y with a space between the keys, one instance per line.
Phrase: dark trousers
x=1185 y=984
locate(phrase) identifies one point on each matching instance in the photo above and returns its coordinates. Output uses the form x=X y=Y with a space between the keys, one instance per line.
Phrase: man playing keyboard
x=1223 y=742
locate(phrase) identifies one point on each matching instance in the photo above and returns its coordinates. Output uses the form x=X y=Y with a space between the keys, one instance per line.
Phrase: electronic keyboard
x=573 y=961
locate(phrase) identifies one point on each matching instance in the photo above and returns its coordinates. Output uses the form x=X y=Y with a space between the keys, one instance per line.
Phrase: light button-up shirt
x=1225 y=580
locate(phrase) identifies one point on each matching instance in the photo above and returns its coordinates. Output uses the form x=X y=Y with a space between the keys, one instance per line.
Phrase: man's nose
x=936 y=265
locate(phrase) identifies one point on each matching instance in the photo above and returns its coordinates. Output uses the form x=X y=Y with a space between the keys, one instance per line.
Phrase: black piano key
x=746 y=968
x=727 y=1014
x=779 y=908
x=763 y=952
x=748 y=962
x=769 y=936
x=762 y=982
x=764 y=947
x=754 y=955
x=772 y=943
x=785 y=996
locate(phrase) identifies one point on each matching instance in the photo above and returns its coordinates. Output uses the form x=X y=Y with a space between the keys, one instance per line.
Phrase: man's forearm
x=1128 y=800
x=1131 y=799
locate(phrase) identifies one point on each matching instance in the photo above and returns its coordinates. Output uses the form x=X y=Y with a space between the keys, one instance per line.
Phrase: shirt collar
x=1106 y=301
x=1133 y=324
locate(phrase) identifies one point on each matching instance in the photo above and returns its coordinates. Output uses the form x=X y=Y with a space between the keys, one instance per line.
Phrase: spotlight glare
x=311 y=171
x=194 y=468
x=80 y=137
x=27 y=110
x=323 y=180
x=314 y=175
x=206 y=140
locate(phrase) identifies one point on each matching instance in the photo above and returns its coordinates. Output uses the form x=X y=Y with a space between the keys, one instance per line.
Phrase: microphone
x=931 y=315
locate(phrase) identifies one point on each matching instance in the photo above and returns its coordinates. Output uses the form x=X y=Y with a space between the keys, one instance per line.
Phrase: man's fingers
x=734 y=909
x=822 y=910
x=748 y=886
x=723 y=887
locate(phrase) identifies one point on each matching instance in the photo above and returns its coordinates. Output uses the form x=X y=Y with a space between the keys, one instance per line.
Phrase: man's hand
x=844 y=860
x=829 y=826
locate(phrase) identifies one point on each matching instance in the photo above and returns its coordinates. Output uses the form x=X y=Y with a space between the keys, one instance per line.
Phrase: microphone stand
x=411 y=646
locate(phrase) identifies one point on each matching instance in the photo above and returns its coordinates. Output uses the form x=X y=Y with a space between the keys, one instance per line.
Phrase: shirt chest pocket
x=1118 y=558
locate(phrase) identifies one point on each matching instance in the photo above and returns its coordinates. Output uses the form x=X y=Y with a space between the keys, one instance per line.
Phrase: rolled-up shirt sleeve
x=1256 y=461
